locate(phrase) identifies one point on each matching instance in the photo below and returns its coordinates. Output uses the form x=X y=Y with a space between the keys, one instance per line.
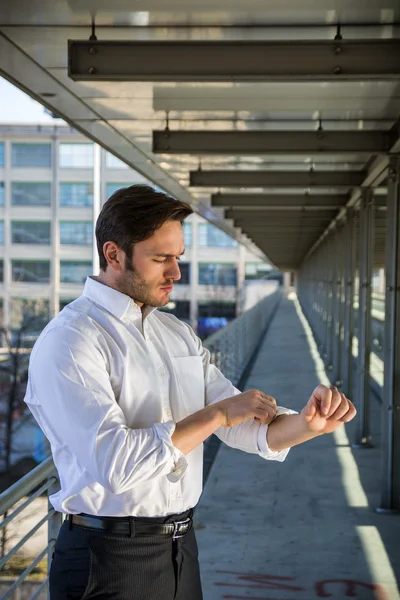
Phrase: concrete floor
x=305 y=528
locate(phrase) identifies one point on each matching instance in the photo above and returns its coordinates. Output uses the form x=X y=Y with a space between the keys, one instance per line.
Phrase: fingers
x=336 y=401
x=345 y=412
x=323 y=397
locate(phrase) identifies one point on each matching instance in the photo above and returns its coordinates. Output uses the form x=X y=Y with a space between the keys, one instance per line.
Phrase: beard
x=133 y=285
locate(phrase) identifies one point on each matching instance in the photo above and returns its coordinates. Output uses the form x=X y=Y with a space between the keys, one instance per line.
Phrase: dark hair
x=134 y=214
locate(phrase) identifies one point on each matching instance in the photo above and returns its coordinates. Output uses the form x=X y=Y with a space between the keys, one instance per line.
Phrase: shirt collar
x=115 y=302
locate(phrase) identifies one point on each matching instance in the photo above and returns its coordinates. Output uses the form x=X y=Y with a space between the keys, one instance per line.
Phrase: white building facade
x=48 y=209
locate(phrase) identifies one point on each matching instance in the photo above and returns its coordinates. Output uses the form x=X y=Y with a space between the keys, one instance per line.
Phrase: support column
x=194 y=273
x=329 y=312
x=96 y=203
x=390 y=492
x=363 y=434
x=348 y=328
x=337 y=307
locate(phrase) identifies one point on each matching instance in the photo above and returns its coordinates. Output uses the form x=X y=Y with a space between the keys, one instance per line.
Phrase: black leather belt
x=131 y=526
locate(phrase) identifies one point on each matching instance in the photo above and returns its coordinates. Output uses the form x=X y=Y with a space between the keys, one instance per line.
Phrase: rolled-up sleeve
x=249 y=436
x=70 y=395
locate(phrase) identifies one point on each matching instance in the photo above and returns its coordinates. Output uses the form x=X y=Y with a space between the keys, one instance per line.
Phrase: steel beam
x=237 y=60
x=256 y=215
x=283 y=201
x=274 y=179
x=390 y=491
x=366 y=245
x=270 y=142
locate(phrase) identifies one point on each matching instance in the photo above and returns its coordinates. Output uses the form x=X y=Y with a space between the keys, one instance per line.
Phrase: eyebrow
x=167 y=255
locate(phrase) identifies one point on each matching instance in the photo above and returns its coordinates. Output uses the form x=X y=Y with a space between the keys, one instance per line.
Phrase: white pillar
x=96 y=202
x=194 y=272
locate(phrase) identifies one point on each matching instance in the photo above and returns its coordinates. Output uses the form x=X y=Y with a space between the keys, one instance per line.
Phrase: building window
x=1 y=193
x=212 y=236
x=1 y=270
x=187 y=234
x=76 y=232
x=76 y=156
x=30 y=155
x=1 y=154
x=217 y=274
x=179 y=308
x=31 y=314
x=1 y=232
x=76 y=194
x=73 y=271
x=30 y=193
x=214 y=315
x=65 y=301
x=30 y=271
x=30 y=232
x=113 y=187
x=185 y=273
x=112 y=162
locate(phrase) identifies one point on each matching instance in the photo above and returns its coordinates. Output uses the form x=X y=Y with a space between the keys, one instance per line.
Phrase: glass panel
x=185 y=273
x=112 y=162
x=179 y=308
x=31 y=314
x=30 y=155
x=30 y=271
x=1 y=193
x=76 y=156
x=1 y=232
x=113 y=187
x=29 y=193
x=76 y=194
x=217 y=274
x=65 y=301
x=187 y=234
x=30 y=232
x=1 y=154
x=76 y=232
x=74 y=271
x=212 y=236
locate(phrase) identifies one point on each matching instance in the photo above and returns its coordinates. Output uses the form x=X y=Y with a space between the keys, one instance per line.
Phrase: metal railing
x=231 y=349
x=43 y=478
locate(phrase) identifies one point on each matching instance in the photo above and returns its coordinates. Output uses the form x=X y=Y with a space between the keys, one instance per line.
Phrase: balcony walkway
x=306 y=528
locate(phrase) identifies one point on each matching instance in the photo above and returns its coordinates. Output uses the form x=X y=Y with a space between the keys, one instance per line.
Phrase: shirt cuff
x=263 y=449
x=178 y=459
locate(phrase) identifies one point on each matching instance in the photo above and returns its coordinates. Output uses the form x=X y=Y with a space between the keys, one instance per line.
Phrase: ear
x=114 y=256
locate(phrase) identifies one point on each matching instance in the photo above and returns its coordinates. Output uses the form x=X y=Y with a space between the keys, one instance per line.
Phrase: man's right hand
x=252 y=404
x=194 y=429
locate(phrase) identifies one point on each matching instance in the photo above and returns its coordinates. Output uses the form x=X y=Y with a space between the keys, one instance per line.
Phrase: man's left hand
x=327 y=410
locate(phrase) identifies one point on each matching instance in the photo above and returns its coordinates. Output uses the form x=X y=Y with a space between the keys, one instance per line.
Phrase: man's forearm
x=194 y=429
x=288 y=430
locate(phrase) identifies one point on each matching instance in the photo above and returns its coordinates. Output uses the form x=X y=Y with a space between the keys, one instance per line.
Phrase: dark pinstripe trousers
x=90 y=564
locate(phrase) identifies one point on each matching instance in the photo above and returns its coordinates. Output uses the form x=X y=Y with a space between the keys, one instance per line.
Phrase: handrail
x=230 y=348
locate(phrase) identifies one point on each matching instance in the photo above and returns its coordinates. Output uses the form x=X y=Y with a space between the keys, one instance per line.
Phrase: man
x=126 y=395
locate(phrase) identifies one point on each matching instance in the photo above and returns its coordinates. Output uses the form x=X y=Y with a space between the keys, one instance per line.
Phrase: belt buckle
x=176 y=524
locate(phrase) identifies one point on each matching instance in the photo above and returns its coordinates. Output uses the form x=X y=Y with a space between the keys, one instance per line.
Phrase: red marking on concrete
x=271 y=582
x=350 y=588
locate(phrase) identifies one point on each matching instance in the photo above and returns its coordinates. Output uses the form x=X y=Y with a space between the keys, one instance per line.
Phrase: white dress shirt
x=107 y=384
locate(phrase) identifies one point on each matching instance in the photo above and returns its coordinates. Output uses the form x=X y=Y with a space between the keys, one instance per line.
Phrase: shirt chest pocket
x=189 y=381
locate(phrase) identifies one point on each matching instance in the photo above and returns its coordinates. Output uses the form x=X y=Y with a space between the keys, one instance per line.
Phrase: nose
x=173 y=271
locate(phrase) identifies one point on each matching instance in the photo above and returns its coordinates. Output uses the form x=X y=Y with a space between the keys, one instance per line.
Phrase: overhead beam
x=281 y=201
x=270 y=142
x=233 y=60
x=274 y=179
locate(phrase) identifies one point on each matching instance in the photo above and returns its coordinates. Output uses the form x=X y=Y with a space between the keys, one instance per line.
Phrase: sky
x=18 y=107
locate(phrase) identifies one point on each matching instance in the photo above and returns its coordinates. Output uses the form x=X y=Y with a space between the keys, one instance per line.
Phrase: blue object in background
x=208 y=325
x=40 y=449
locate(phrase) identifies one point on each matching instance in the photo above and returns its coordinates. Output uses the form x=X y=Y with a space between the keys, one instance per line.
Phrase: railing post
x=54 y=523
x=390 y=492
x=363 y=434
